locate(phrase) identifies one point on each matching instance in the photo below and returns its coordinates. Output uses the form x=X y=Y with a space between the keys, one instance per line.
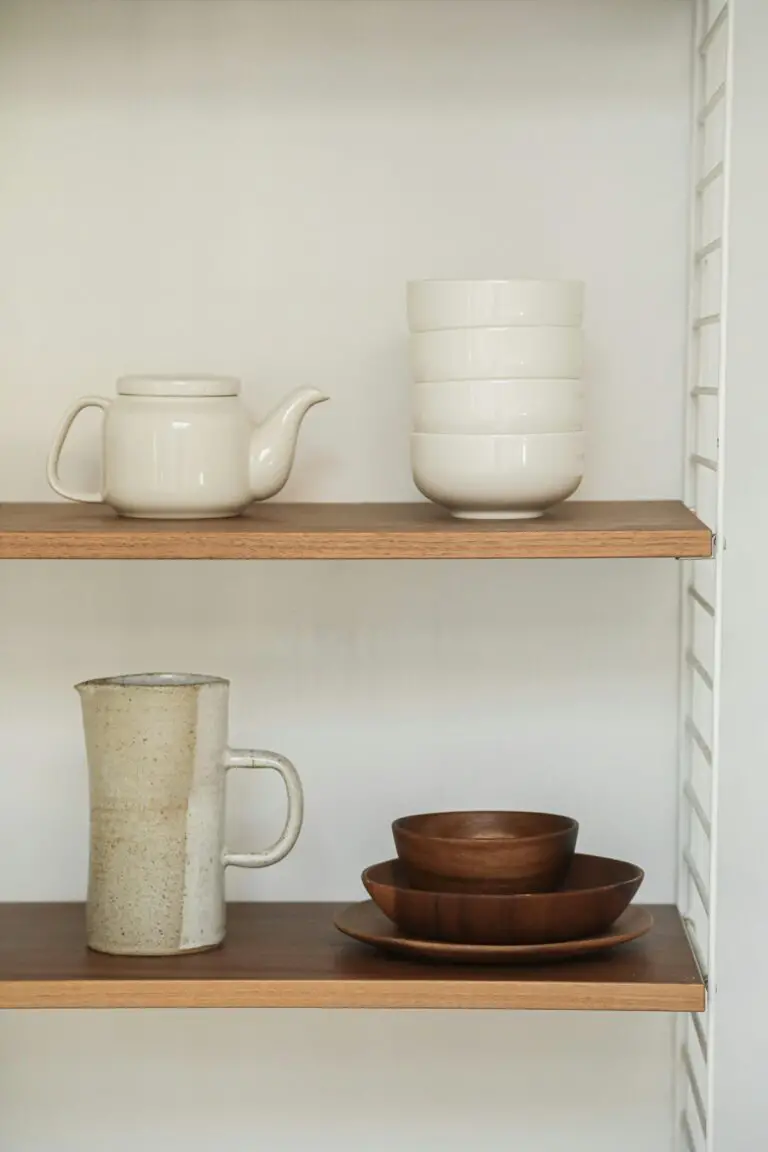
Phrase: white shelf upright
x=701 y=595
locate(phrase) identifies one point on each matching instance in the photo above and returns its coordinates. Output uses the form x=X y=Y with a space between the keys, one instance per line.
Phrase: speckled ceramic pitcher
x=157 y=760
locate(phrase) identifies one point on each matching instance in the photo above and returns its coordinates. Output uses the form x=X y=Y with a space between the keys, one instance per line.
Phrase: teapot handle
x=53 y=458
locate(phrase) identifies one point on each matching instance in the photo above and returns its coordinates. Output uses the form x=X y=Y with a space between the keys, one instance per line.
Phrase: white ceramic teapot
x=185 y=447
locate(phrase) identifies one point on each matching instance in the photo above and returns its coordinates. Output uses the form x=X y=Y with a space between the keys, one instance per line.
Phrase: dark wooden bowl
x=485 y=851
x=595 y=892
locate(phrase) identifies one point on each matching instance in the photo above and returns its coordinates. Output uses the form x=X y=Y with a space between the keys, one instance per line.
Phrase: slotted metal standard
x=701 y=580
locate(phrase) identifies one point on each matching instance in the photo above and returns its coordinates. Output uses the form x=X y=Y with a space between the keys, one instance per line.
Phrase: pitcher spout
x=273 y=443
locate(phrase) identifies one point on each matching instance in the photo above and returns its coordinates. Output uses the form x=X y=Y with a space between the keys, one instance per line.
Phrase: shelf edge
x=392 y=994
x=380 y=546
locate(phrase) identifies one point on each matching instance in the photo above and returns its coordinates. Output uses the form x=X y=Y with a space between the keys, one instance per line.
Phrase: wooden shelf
x=354 y=532
x=291 y=956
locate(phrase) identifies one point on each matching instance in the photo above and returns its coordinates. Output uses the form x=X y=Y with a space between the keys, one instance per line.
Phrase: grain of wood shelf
x=291 y=956
x=650 y=528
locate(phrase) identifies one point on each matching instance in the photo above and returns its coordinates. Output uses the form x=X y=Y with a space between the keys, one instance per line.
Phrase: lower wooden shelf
x=291 y=956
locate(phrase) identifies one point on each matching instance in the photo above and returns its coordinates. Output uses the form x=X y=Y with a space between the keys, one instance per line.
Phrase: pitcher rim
x=154 y=680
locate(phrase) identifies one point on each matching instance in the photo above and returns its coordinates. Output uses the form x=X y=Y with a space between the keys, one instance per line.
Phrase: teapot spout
x=273 y=443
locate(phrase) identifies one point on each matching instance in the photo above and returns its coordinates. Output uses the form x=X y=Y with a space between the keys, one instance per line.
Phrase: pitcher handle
x=250 y=758
x=53 y=458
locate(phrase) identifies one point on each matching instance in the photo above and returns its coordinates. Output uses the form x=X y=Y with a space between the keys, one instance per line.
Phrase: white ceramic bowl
x=498 y=406
x=496 y=354
x=437 y=304
x=497 y=477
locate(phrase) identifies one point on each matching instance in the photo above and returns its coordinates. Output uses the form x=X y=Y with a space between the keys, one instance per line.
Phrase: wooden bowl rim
x=396 y=862
x=569 y=824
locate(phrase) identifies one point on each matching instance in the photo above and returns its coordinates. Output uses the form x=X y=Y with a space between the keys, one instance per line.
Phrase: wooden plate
x=364 y=922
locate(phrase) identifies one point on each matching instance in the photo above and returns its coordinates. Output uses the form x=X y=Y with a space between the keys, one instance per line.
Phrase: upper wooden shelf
x=291 y=956
x=354 y=532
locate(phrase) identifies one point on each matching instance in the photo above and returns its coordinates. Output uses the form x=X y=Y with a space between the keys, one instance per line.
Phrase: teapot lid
x=178 y=386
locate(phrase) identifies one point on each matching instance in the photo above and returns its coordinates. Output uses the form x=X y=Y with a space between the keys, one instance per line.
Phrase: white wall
x=244 y=187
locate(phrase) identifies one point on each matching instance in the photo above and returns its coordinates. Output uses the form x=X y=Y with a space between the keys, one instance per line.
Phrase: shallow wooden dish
x=595 y=892
x=366 y=923
x=485 y=851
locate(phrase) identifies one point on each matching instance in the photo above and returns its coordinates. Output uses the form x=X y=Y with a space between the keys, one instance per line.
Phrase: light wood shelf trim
x=291 y=956
x=398 y=994
x=275 y=531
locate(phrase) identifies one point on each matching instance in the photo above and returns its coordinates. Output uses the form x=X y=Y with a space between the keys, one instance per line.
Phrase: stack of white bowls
x=498 y=397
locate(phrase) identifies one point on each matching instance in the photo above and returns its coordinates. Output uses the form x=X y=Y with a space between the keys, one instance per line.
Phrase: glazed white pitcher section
x=157 y=760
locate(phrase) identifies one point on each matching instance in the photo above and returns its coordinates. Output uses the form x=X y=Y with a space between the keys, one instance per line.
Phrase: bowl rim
x=557 y=892
x=535 y=382
x=499 y=435
x=472 y=333
x=570 y=824
x=525 y=281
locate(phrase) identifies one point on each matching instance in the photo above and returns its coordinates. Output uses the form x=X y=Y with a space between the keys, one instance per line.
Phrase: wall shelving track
x=701 y=580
